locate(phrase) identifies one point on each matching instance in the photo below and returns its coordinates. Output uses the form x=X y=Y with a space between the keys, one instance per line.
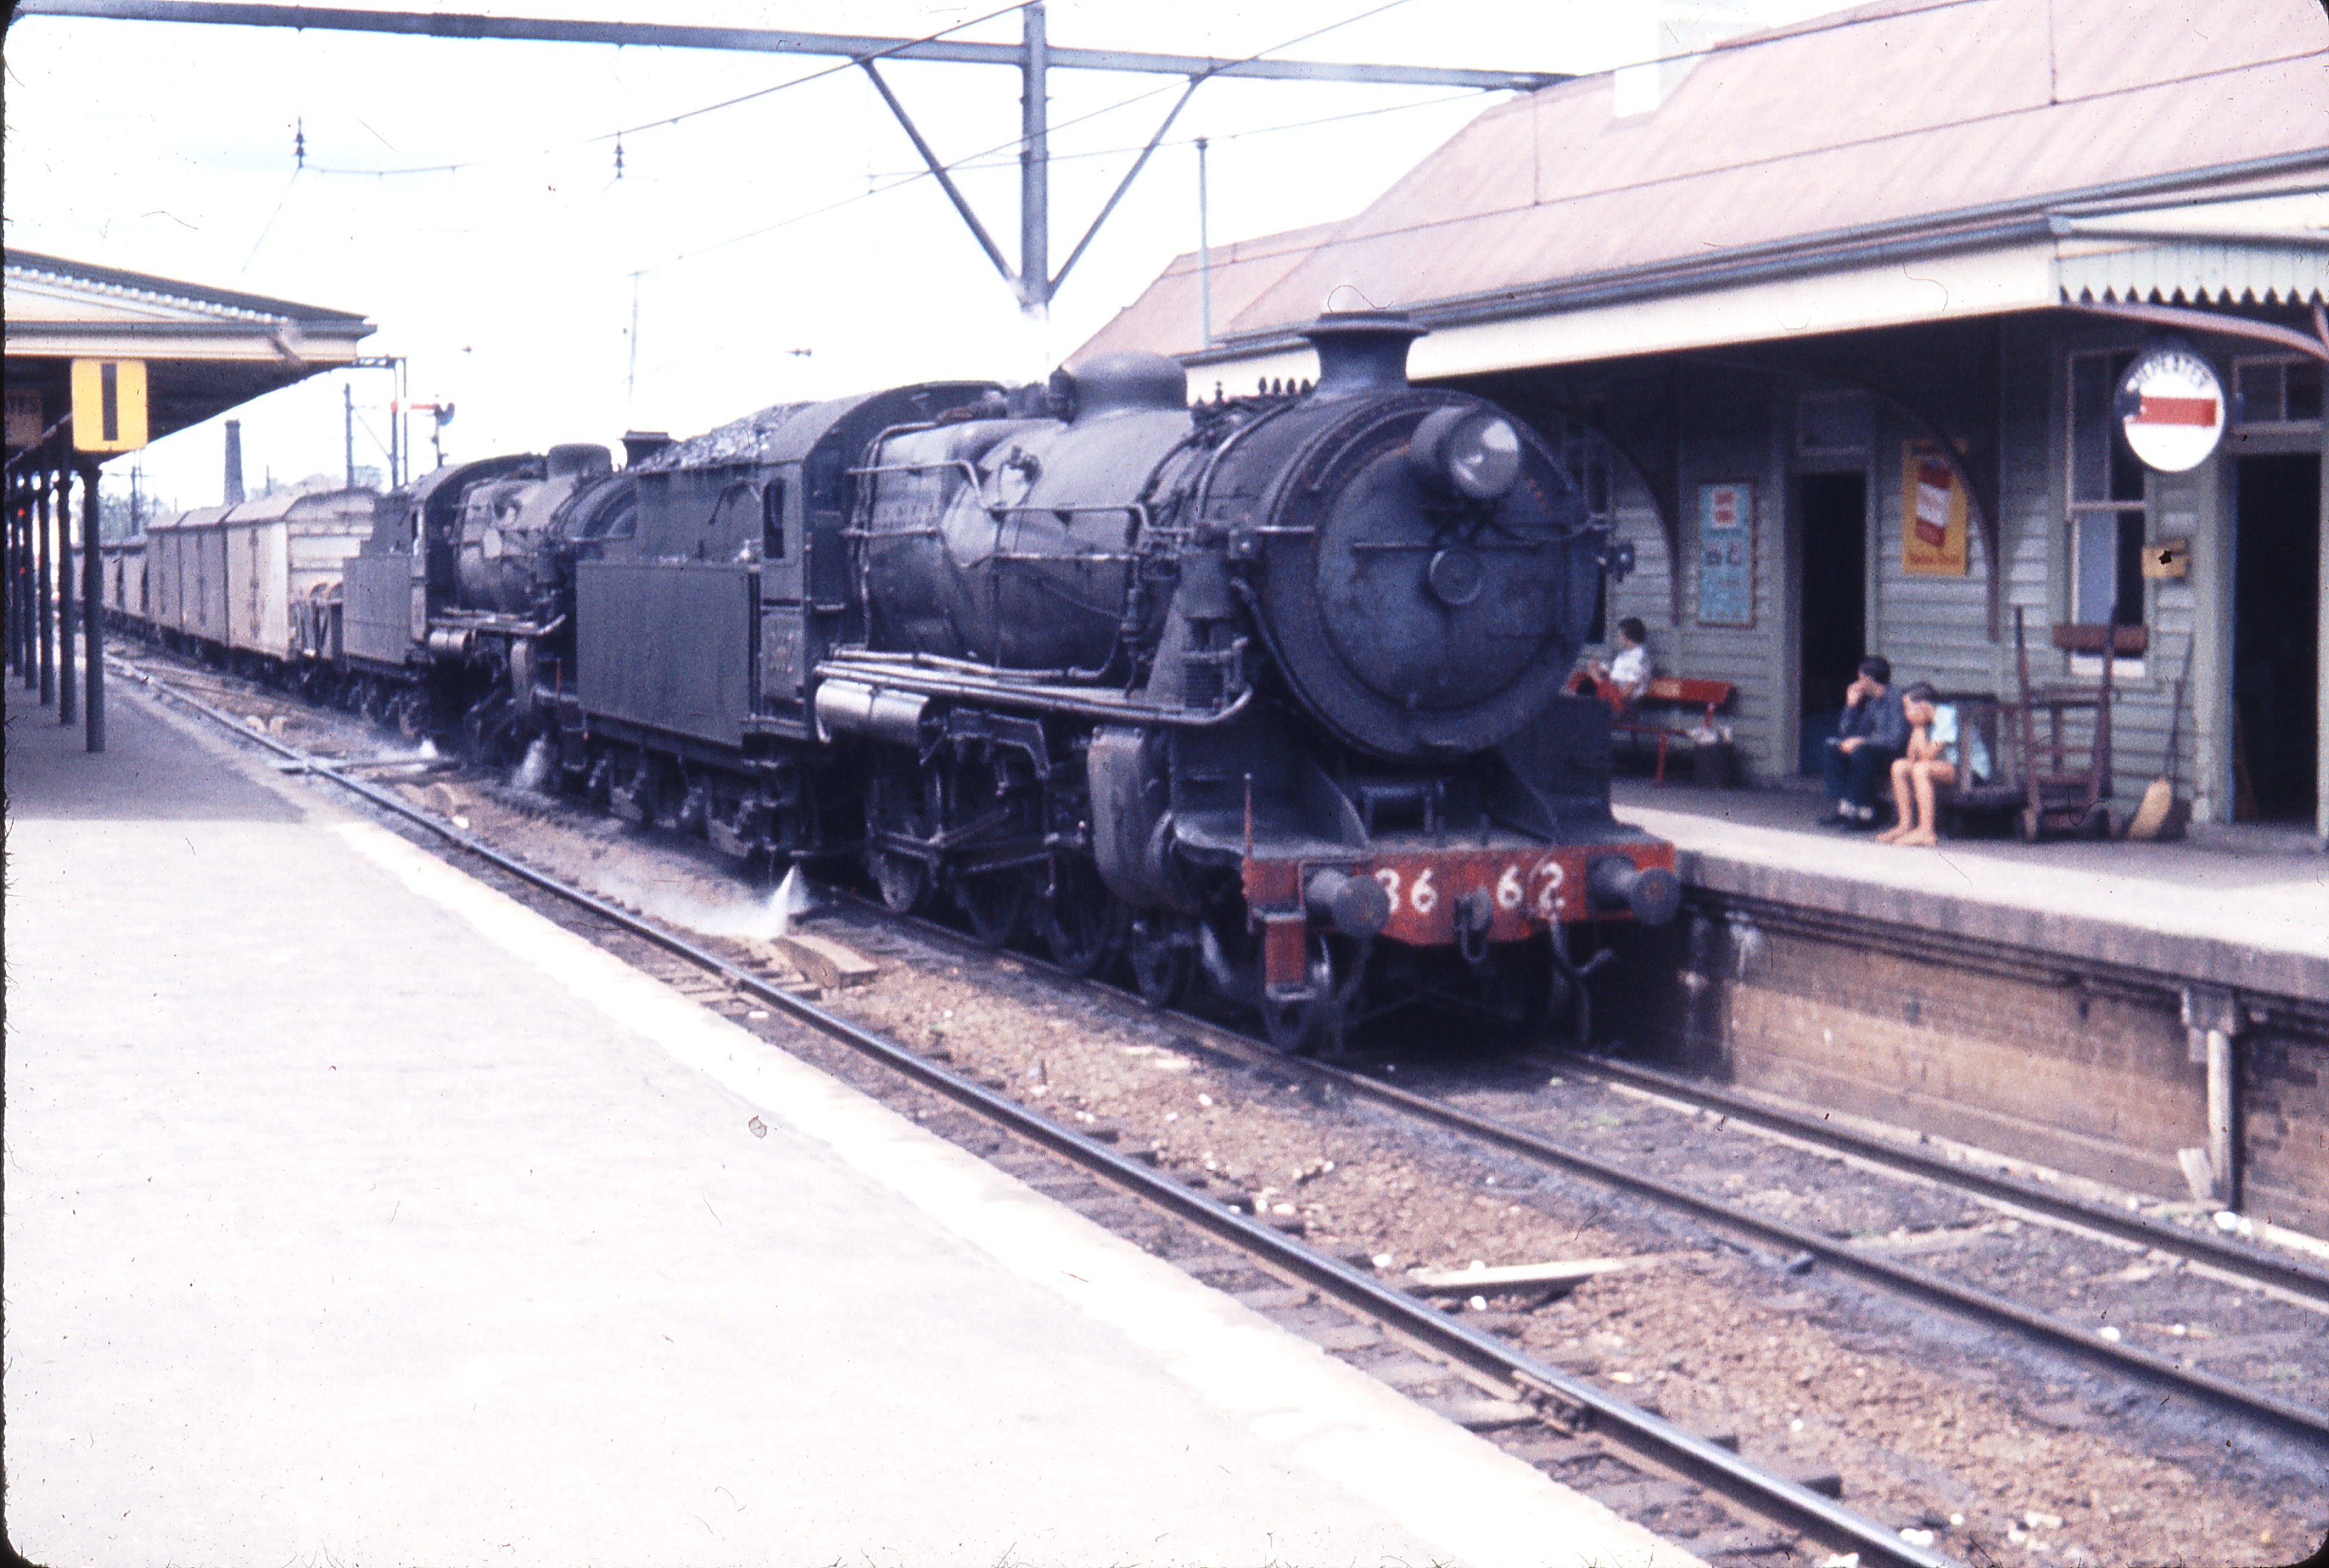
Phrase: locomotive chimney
x=1362 y=350
x=234 y=491
x=639 y=444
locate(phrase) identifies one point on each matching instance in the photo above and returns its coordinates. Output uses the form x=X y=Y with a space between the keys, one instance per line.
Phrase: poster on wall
x=1726 y=555
x=1932 y=514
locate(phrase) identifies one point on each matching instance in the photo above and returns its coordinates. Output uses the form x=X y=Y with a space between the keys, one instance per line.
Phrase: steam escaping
x=532 y=772
x=792 y=898
x=705 y=904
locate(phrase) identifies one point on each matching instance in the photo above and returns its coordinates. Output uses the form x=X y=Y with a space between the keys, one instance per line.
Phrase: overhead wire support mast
x=1034 y=56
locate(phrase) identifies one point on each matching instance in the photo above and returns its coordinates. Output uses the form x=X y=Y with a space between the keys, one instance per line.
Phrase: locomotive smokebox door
x=1428 y=565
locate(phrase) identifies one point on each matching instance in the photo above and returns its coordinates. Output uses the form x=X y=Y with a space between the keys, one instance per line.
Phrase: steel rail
x=1965 y=1300
x=1684 y=1451
x=2197 y=1246
x=2301 y=1419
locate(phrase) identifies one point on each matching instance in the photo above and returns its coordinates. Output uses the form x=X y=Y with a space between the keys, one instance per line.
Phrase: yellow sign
x=25 y=424
x=1932 y=514
x=108 y=405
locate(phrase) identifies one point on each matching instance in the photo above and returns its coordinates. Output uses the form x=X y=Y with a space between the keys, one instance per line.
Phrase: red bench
x=1668 y=709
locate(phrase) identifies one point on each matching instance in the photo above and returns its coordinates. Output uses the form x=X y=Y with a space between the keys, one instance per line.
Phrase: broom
x=2164 y=814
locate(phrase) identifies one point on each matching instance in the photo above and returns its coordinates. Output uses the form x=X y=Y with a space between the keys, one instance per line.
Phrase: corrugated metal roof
x=1898 y=117
x=1168 y=317
x=114 y=283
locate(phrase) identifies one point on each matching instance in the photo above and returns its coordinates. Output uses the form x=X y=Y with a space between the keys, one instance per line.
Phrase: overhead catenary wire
x=1855 y=18
x=899 y=179
x=1011 y=148
x=268 y=227
x=984 y=161
x=660 y=122
x=903 y=178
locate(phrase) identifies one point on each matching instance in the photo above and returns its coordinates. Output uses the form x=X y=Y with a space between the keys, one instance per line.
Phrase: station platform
x=356 y=1213
x=2246 y=916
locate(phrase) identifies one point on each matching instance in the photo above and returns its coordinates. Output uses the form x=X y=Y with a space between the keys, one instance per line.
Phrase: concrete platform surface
x=356 y=1215
x=2184 y=911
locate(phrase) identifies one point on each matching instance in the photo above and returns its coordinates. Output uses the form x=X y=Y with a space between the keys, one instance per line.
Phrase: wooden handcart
x=2065 y=734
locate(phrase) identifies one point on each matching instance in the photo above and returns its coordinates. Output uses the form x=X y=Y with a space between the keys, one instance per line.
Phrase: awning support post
x=93 y=599
x=20 y=603
x=68 y=698
x=42 y=587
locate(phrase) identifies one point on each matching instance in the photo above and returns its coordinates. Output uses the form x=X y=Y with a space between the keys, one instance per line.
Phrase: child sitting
x=1930 y=759
x=1623 y=679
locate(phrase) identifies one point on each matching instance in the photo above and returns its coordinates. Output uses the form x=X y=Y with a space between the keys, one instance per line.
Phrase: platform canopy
x=206 y=350
x=1907 y=163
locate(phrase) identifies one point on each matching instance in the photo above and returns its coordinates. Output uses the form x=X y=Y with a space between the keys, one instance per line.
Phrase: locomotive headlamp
x=1474 y=453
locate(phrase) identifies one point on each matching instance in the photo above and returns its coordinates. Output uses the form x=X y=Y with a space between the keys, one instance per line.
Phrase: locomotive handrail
x=1136 y=510
x=900 y=673
x=921 y=661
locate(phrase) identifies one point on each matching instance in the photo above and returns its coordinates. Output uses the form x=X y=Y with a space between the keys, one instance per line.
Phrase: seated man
x=1930 y=759
x=1622 y=681
x=1870 y=739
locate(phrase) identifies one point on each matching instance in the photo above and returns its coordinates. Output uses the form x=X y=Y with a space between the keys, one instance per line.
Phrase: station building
x=1830 y=320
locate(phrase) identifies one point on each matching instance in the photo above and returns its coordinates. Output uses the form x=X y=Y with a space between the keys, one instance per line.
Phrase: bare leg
x=1903 y=821
x=1928 y=773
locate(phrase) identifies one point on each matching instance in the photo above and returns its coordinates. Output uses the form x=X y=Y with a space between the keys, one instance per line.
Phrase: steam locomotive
x=1263 y=694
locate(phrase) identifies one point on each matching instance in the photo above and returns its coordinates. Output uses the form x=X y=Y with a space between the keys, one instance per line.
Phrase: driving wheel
x=992 y=906
x=1082 y=922
x=1161 y=964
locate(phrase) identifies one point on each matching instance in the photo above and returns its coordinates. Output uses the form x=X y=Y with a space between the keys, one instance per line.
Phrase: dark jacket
x=1880 y=721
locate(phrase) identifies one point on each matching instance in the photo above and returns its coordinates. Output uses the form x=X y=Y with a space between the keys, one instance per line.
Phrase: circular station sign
x=2172 y=406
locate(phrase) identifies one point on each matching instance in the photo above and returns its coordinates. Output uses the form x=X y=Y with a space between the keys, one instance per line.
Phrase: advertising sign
x=24 y=426
x=1726 y=555
x=2172 y=406
x=1932 y=514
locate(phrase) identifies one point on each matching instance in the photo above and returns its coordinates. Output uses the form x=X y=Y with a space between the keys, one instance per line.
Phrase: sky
x=464 y=194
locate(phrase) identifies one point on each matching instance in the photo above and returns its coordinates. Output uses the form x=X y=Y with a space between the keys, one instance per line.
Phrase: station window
x=2106 y=499
x=2277 y=391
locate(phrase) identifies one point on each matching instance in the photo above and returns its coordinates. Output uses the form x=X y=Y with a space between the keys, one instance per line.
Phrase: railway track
x=2248 y=1264
x=1564 y=1402
x=2234 y=1263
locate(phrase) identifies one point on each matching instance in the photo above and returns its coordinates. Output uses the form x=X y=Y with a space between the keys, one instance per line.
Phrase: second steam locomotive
x=1262 y=694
